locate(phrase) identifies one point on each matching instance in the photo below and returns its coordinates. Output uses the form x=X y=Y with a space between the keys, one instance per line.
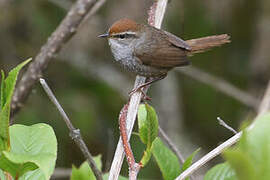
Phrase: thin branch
x=222 y=123
x=135 y=100
x=264 y=107
x=74 y=133
x=221 y=85
x=56 y=41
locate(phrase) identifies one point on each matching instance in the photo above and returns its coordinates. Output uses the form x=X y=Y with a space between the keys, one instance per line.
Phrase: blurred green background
x=93 y=89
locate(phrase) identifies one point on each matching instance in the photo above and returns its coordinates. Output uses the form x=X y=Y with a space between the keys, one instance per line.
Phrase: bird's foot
x=140 y=88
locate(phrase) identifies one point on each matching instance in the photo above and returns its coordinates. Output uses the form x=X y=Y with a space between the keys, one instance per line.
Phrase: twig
x=264 y=107
x=135 y=99
x=56 y=41
x=221 y=85
x=74 y=133
x=222 y=123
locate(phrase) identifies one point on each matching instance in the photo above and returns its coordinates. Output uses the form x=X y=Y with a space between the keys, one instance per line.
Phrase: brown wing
x=177 y=41
x=163 y=50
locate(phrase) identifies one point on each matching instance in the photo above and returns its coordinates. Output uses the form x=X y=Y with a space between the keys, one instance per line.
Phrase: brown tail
x=206 y=43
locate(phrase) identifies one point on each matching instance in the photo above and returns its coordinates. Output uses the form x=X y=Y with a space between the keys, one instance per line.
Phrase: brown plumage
x=152 y=52
x=206 y=43
x=123 y=25
x=162 y=49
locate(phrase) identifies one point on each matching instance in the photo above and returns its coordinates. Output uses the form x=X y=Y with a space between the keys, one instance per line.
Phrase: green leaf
x=188 y=161
x=84 y=172
x=221 y=172
x=148 y=124
x=257 y=146
x=166 y=160
x=33 y=175
x=7 y=88
x=254 y=145
x=4 y=128
x=32 y=147
x=11 y=79
x=240 y=162
x=146 y=157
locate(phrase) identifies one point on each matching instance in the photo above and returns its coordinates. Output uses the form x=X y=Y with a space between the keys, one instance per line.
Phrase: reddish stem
x=133 y=166
x=151 y=14
x=123 y=134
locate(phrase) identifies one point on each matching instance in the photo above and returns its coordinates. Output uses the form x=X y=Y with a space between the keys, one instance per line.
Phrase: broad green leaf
x=221 y=172
x=33 y=175
x=32 y=147
x=240 y=162
x=252 y=157
x=257 y=146
x=148 y=124
x=166 y=160
x=84 y=172
x=7 y=88
x=188 y=161
x=106 y=177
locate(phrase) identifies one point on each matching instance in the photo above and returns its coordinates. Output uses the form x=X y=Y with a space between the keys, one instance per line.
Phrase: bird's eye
x=122 y=36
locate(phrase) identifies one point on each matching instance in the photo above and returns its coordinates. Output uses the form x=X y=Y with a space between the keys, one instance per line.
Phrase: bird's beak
x=103 y=35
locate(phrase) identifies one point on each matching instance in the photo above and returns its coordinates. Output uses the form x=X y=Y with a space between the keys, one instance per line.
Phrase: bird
x=151 y=52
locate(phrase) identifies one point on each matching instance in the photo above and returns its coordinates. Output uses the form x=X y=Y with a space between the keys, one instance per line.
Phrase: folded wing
x=164 y=51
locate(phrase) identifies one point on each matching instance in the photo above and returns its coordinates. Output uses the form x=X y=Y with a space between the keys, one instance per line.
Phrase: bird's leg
x=149 y=81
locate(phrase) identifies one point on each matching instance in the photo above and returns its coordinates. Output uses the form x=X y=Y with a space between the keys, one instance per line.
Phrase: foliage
x=26 y=152
x=165 y=158
x=148 y=124
x=32 y=147
x=84 y=171
x=221 y=171
x=250 y=159
x=148 y=129
x=7 y=88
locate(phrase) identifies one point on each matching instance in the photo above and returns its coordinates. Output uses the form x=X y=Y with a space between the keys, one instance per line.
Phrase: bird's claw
x=144 y=96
